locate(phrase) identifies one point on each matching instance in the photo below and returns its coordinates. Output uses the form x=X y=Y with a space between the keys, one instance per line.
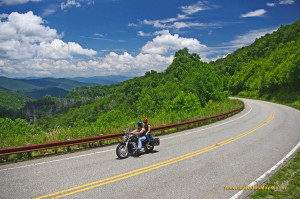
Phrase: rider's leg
x=148 y=137
x=140 y=142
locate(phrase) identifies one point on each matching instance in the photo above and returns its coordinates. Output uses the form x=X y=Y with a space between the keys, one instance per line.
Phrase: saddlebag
x=156 y=141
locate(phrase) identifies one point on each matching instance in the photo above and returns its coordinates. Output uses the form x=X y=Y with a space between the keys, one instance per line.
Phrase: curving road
x=196 y=163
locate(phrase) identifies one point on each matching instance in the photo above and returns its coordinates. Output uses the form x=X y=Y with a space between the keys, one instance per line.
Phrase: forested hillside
x=11 y=103
x=269 y=68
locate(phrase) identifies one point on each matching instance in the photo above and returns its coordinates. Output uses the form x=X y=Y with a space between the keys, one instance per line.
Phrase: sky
x=85 y=38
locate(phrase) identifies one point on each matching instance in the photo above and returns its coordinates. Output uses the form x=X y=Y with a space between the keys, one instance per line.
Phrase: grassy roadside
x=288 y=176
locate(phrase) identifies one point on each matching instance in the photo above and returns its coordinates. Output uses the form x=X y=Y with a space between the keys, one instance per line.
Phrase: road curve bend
x=196 y=163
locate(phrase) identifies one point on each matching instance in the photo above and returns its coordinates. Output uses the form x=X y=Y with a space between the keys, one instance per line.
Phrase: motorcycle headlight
x=124 y=138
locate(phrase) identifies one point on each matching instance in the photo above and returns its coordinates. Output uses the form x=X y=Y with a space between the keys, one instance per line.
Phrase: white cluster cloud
x=192 y=9
x=69 y=4
x=143 y=34
x=271 y=4
x=162 y=44
x=112 y=63
x=256 y=13
x=29 y=48
x=139 y=64
x=26 y=28
x=58 y=49
x=24 y=36
x=75 y=3
x=281 y=2
x=132 y=25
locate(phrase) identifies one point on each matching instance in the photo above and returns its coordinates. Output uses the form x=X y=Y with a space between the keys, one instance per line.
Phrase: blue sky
x=68 y=38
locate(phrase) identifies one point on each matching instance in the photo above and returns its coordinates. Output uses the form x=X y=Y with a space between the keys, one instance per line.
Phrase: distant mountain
x=24 y=84
x=4 y=88
x=15 y=84
x=102 y=80
x=40 y=82
x=41 y=92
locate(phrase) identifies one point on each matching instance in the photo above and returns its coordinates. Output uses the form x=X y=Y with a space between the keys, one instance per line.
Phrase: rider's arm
x=132 y=132
x=142 y=131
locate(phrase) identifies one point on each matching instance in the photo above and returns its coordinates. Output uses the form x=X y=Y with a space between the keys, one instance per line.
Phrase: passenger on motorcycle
x=140 y=131
x=147 y=128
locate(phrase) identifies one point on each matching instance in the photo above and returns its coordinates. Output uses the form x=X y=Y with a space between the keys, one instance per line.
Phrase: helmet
x=145 y=120
x=139 y=123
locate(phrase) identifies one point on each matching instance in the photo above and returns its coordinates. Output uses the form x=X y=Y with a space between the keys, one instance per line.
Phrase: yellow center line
x=124 y=174
x=157 y=165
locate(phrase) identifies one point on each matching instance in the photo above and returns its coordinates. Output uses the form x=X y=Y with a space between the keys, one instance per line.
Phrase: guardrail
x=65 y=143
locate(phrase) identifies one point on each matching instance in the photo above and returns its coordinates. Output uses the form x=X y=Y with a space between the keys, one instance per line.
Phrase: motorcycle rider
x=147 y=128
x=140 y=131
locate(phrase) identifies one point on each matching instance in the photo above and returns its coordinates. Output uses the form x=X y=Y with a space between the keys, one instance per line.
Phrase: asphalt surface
x=196 y=163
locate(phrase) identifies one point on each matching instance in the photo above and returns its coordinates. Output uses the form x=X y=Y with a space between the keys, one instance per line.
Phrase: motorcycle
x=129 y=144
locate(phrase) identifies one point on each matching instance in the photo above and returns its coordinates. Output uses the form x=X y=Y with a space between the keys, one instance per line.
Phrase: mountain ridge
x=102 y=80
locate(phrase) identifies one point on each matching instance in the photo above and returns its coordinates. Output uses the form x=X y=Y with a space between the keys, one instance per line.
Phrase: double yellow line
x=99 y=183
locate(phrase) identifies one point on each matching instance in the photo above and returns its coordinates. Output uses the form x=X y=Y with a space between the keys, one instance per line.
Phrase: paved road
x=196 y=163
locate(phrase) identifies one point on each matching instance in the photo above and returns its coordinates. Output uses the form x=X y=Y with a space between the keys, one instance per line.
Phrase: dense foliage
x=11 y=103
x=90 y=93
x=17 y=132
x=269 y=68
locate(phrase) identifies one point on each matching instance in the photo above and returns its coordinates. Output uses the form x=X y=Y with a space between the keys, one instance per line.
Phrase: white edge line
x=280 y=164
x=79 y=156
x=41 y=163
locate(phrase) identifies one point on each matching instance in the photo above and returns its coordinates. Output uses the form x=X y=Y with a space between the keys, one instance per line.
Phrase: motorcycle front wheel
x=122 y=151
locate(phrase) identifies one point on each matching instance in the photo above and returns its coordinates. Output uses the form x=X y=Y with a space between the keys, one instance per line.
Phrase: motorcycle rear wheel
x=149 y=148
x=121 y=151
